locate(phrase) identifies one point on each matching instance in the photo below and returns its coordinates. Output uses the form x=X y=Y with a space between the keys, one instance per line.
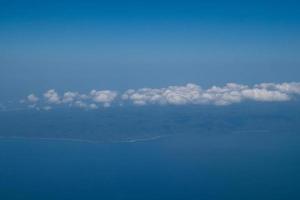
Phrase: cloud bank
x=189 y=94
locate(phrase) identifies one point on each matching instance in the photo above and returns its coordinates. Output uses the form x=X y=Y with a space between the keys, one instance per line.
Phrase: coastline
x=134 y=140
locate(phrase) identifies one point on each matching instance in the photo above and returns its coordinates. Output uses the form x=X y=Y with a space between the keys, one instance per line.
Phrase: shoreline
x=134 y=140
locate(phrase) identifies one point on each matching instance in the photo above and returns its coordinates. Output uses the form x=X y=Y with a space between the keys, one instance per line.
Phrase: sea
x=241 y=165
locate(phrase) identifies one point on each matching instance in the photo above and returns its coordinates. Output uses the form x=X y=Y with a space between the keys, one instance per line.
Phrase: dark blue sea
x=241 y=165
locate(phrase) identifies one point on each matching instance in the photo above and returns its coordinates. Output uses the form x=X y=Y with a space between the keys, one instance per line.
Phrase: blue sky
x=81 y=45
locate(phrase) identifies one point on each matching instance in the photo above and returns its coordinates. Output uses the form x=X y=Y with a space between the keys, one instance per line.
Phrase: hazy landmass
x=131 y=124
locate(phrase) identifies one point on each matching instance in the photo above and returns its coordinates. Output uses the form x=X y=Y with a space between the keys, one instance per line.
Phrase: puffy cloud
x=80 y=104
x=174 y=95
x=103 y=96
x=32 y=98
x=265 y=95
x=188 y=94
x=83 y=105
x=293 y=88
x=69 y=97
x=289 y=88
x=226 y=95
x=52 y=97
x=85 y=101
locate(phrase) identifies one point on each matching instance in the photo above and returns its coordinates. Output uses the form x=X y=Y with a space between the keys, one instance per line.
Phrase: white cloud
x=69 y=97
x=32 y=98
x=85 y=101
x=80 y=104
x=265 y=95
x=83 y=105
x=289 y=88
x=83 y=96
x=188 y=94
x=226 y=95
x=106 y=97
x=52 y=97
x=176 y=95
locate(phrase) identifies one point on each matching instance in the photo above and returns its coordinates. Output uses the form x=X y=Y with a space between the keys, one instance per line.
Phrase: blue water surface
x=249 y=165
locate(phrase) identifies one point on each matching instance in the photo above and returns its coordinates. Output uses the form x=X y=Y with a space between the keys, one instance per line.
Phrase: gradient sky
x=81 y=45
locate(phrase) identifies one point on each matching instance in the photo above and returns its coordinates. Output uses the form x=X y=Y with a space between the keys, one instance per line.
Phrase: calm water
x=218 y=166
